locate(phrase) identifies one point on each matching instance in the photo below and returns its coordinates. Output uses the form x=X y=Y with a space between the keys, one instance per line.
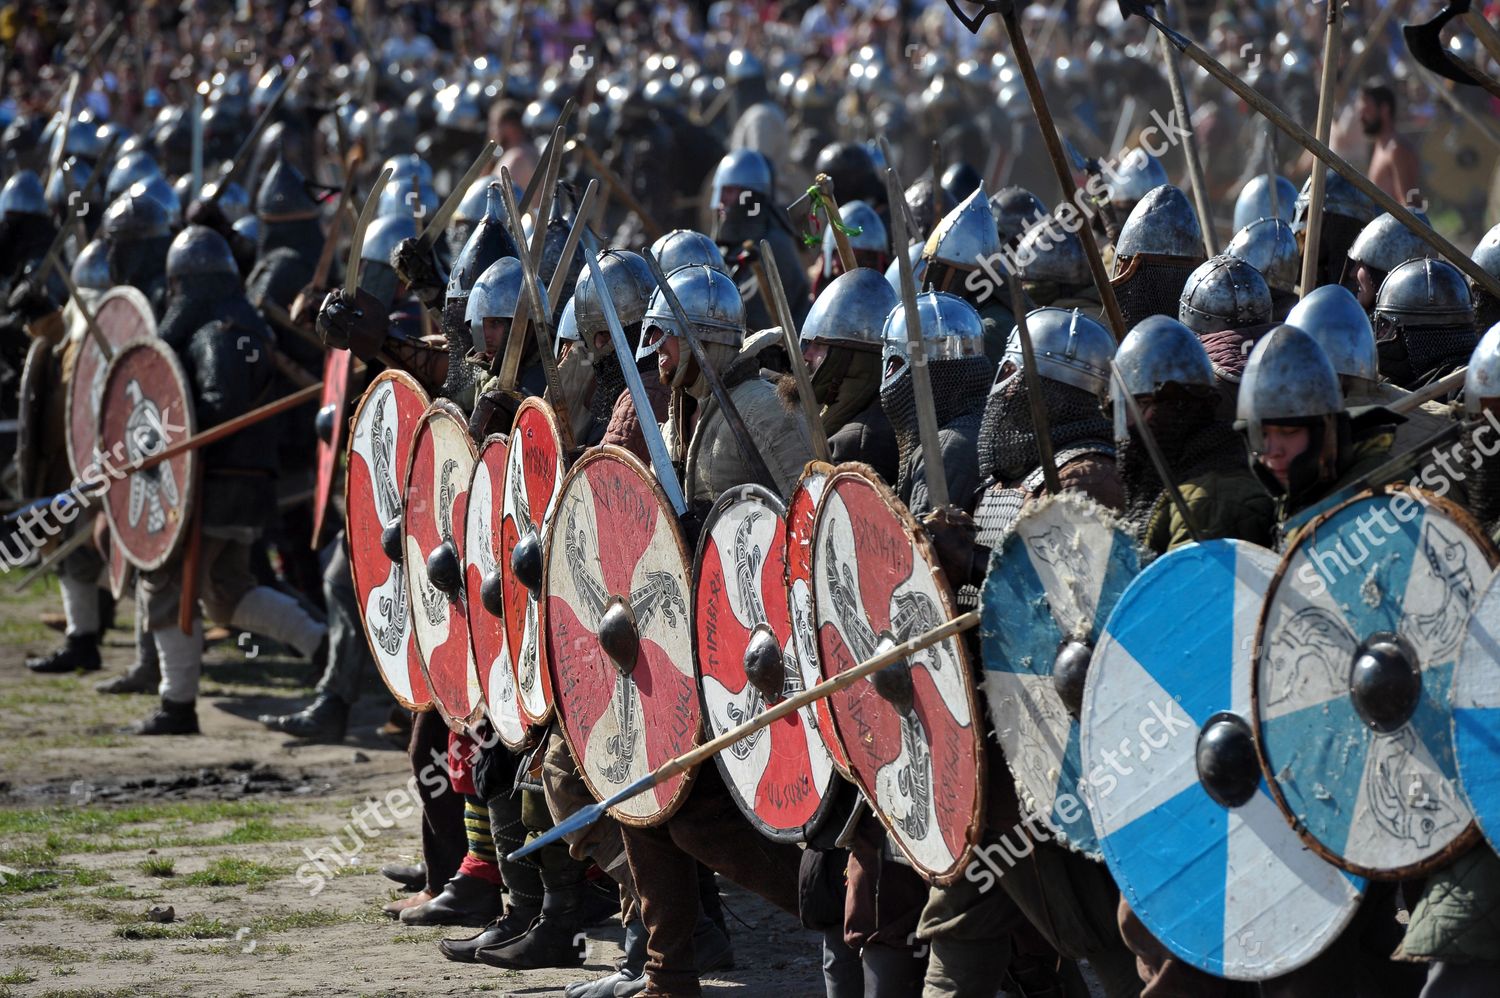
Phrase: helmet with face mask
x=711 y=302
x=1160 y=245
x=1424 y=322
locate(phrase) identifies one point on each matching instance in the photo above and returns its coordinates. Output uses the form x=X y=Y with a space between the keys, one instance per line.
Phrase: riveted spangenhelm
x=951 y=330
x=158 y=189
x=1255 y=200
x=129 y=169
x=23 y=195
x=1069 y=347
x=1161 y=351
x=682 y=247
x=628 y=280
x=133 y=216
x=495 y=295
x=487 y=243
x=851 y=311
x=1482 y=381
x=966 y=235
x=1137 y=175
x=1335 y=318
x=743 y=169
x=1425 y=293
x=742 y=65
x=400 y=197
x=1270 y=246
x=198 y=250
x=384 y=234
x=868 y=235
x=283 y=195
x=709 y=298
x=1016 y=209
x=1384 y=245
x=91 y=269
x=1052 y=253
x=1224 y=293
x=1163 y=223
x=1287 y=379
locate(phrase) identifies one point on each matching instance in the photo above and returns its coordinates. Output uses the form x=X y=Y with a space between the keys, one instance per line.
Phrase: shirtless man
x=1393 y=162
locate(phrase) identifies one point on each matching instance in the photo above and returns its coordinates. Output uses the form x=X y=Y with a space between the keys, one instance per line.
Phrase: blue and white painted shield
x=1052 y=582
x=1185 y=821
x=1476 y=712
x=1355 y=656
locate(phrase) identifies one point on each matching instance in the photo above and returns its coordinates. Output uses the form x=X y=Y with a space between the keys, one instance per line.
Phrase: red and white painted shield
x=432 y=536
x=337 y=367
x=385 y=423
x=123 y=315
x=146 y=407
x=801 y=509
x=482 y=582
x=748 y=662
x=912 y=730
x=533 y=480
x=616 y=591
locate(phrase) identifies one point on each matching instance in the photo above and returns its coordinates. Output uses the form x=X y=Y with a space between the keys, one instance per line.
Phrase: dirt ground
x=99 y=827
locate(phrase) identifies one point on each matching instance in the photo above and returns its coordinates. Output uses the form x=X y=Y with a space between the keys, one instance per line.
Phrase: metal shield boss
x=432 y=535
x=338 y=365
x=1053 y=579
x=618 y=624
x=145 y=407
x=123 y=315
x=747 y=662
x=528 y=495
x=1358 y=641
x=482 y=582
x=801 y=509
x=911 y=729
x=385 y=424
x=1185 y=821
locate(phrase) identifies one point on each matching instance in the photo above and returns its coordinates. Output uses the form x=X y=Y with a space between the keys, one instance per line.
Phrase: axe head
x=1130 y=8
x=1425 y=43
x=971 y=13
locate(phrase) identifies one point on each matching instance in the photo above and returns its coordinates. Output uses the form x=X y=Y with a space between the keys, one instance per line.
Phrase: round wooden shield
x=748 y=662
x=528 y=494
x=37 y=380
x=911 y=730
x=146 y=407
x=1053 y=580
x=1185 y=822
x=497 y=678
x=1355 y=653
x=437 y=497
x=801 y=510
x=123 y=315
x=385 y=423
x=118 y=568
x=1476 y=712
x=615 y=563
x=337 y=367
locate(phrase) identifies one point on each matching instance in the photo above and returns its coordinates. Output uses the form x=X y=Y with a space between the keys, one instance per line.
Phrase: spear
x=794 y=353
x=1319 y=177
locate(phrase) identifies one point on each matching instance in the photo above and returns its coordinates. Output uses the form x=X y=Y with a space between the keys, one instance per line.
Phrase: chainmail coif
x=958 y=389
x=1007 y=437
x=1192 y=441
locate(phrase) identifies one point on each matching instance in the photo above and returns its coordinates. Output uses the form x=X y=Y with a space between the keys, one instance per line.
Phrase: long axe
x=684 y=763
x=1311 y=248
x=1008 y=13
x=790 y=340
x=242 y=156
x=927 y=427
x=1308 y=141
x=1425 y=43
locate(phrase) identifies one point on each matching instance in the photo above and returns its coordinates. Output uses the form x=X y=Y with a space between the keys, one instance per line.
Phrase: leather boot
x=326 y=719
x=511 y=925
x=712 y=948
x=553 y=940
x=465 y=900
x=142 y=677
x=79 y=653
x=412 y=878
x=630 y=970
x=172 y=719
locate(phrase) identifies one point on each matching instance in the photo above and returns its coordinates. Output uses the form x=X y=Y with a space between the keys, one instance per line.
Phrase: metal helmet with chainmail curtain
x=1424 y=322
x=1160 y=244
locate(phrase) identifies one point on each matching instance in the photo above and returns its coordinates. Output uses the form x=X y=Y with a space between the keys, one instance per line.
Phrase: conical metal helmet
x=868 y=235
x=1224 y=293
x=384 y=234
x=1339 y=198
x=951 y=330
x=1386 y=244
x=129 y=169
x=1016 y=210
x=133 y=216
x=409 y=196
x=1070 y=348
x=1487 y=253
x=1162 y=223
x=1287 y=377
x=966 y=235
x=743 y=169
x=234 y=202
x=918 y=268
x=1425 y=293
x=408 y=165
x=1482 y=381
x=1270 y=246
x=567 y=323
x=1137 y=175
x=685 y=247
x=1052 y=253
x=1255 y=200
x=71 y=179
x=283 y=195
x=851 y=311
x=249 y=229
x=476 y=199
x=1335 y=318
x=489 y=241
x=1161 y=351
x=159 y=190
x=197 y=251
x=91 y=269
x=23 y=195
x=710 y=300
x=496 y=294
x=629 y=283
